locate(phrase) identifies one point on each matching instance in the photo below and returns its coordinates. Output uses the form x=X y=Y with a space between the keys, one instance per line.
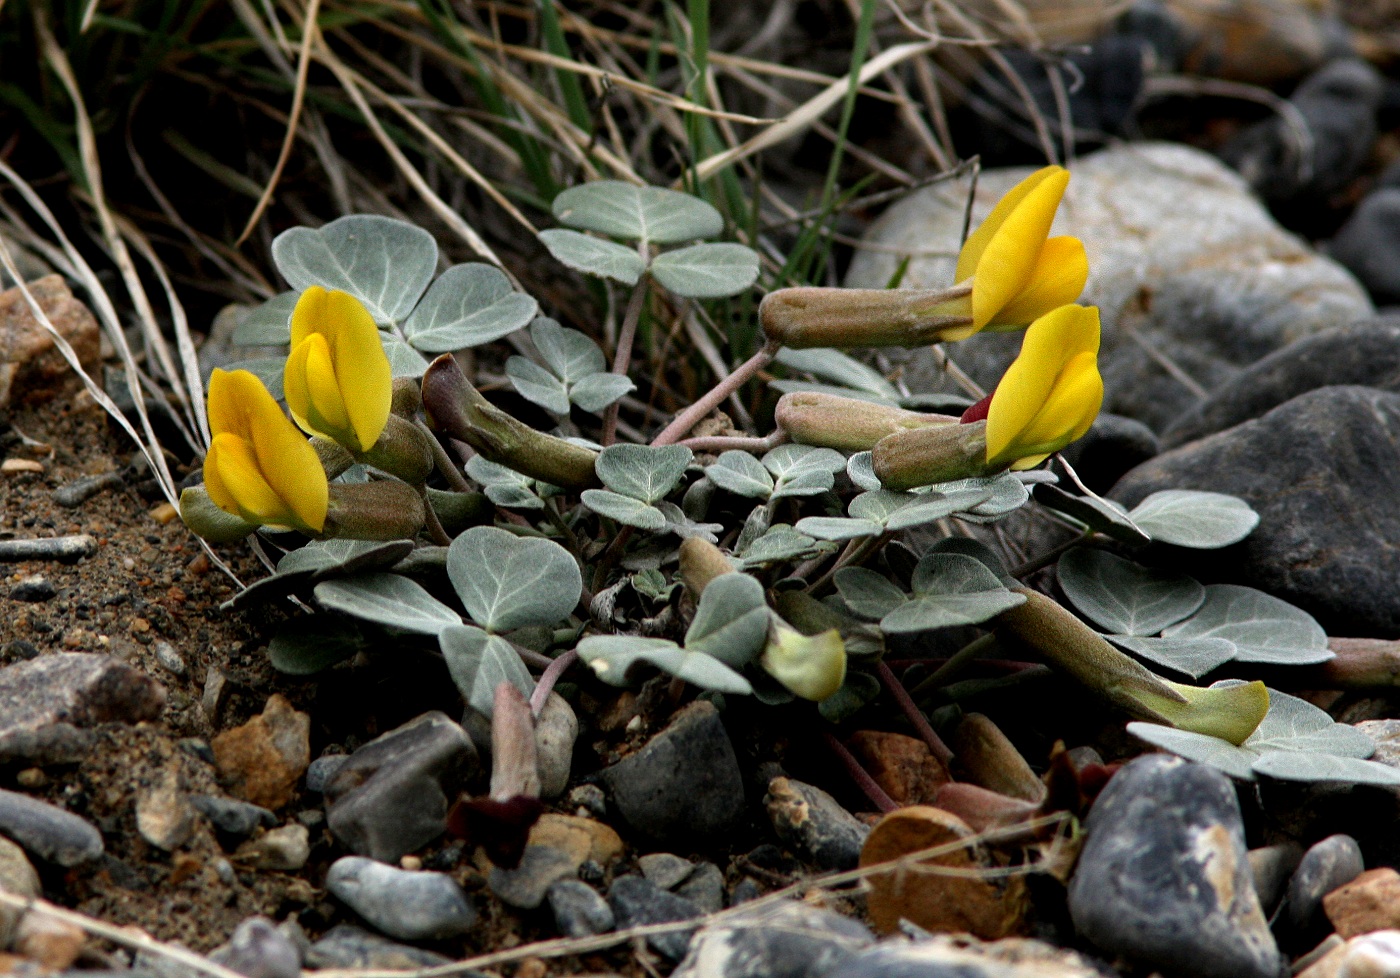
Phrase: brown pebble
x=164 y=513
x=262 y=760
x=531 y=968
x=52 y=943
x=31 y=777
x=903 y=766
x=20 y=466
x=1369 y=902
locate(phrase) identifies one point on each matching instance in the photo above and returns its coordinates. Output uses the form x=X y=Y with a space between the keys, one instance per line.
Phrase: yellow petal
x=309 y=313
x=1070 y=409
x=978 y=240
x=1057 y=279
x=236 y=484
x=230 y=391
x=1009 y=258
x=361 y=369
x=294 y=387
x=287 y=461
x=328 y=415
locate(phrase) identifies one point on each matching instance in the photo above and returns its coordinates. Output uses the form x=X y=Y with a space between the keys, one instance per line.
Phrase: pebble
x=164 y=816
x=745 y=890
x=211 y=701
x=169 y=659
x=286 y=849
x=411 y=906
x=814 y=824
x=1259 y=42
x=684 y=784
x=21 y=466
x=636 y=901
x=579 y=911
x=1272 y=867
x=51 y=943
x=262 y=760
x=48 y=831
x=33 y=590
x=391 y=796
x=990 y=760
x=525 y=886
x=585 y=839
x=939 y=956
x=79 y=491
x=1369 y=902
x=1163 y=878
x=66 y=550
x=665 y=869
x=903 y=766
x=1369 y=244
x=704 y=888
x=31 y=366
x=1333 y=862
x=1373 y=955
x=236 y=818
x=556 y=729
x=17 y=876
x=781 y=940
x=347 y=946
x=319 y=774
x=258 y=949
x=1317 y=471
x=588 y=799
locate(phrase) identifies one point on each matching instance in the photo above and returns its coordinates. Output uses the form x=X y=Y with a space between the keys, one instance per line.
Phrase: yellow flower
x=810 y=666
x=1018 y=273
x=1052 y=392
x=259 y=467
x=337 y=381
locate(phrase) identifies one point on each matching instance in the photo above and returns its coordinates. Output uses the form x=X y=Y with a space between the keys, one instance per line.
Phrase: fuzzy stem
x=549 y=678
x=431 y=521
x=915 y=715
x=859 y=774
x=622 y=359
x=450 y=472
x=950 y=669
x=741 y=443
x=741 y=375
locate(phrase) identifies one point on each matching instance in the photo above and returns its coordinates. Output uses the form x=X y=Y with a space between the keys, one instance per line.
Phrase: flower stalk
x=846 y=423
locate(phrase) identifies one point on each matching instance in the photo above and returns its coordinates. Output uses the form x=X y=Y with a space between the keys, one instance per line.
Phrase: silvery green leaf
x=1103 y=515
x=404 y=360
x=879 y=505
x=597 y=391
x=387 y=599
x=951 y=573
x=344 y=556
x=594 y=256
x=836 y=366
x=950 y=589
x=838 y=528
x=706 y=271
x=356 y=474
x=623 y=210
x=1187 y=518
x=867 y=593
x=685 y=527
x=804 y=482
x=383 y=262
x=1193 y=657
x=755 y=525
x=742 y=474
x=787 y=461
x=653 y=584
x=1008 y=494
x=468 y=305
x=490 y=473
x=860 y=469
x=268 y=324
x=781 y=542
x=570 y=354
x=612 y=657
x=793 y=386
x=625 y=509
x=306 y=646
x=1238 y=762
x=859 y=689
x=267 y=369
x=508 y=582
x=642 y=471
x=978 y=551
x=928 y=507
x=1294 y=724
x=1294 y=766
x=1125 y=597
x=1263 y=628
x=480 y=662
x=731 y=620
x=536 y=384
x=513 y=496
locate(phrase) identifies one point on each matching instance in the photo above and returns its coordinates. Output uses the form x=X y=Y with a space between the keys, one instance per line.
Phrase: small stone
x=236 y=818
x=665 y=869
x=587 y=838
x=704 y=888
x=66 y=550
x=225 y=871
x=903 y=766
x=319 y=774
x=636 y=901
x=258 y=949
x=1333 y=862
x=33 y=590
x=1369 y=902
x=52 y=943
x=683 y=784
x=32 y=368
x=556 y=729
x=21 y=466
x=1271 y=867
x=262 y=760
x=579 y=911
x=17 y=876
x=169 y=659
x=286 y=849
x=992 y=761
x=391 y=796
x=814 y=824
x=745 y=890
x=1368 y=245
x=353 y=948
x=525 y=886
x=940 y=955
x=588 y=799
x=48 y=831
x=164 y=816
x=409 y=906
x=1373 y=955
x=787 y=939
x=79 y=491
x=215 y=688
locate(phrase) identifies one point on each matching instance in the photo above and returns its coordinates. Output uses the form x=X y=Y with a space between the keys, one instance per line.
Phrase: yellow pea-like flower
x=337 y=382
x=1018 y=272
x=259 y=467
x=1052 y=392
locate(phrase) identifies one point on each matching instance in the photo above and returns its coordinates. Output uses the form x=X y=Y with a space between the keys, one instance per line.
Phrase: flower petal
x=1057 y=279
x=977 y=241
x=1070 y=409
x=1009 y=259
x=287 y=462
x=361 y=368
x=236 y=484
x=309 y=314
x=328 y=415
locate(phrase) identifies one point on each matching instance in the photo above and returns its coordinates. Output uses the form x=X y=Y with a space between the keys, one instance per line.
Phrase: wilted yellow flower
x=337 y=381
x=259 y=467
x=1018 y=273
x=810 y=666
x=1052 y=392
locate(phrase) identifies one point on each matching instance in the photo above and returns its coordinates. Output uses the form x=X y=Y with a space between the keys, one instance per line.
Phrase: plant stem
x=915 y=715
x=552 y=512
x=1048 y=558
x=622 y=358
x=945 y=673
x=855 y=553
x=431 y=520
x=548 y=678
x=444 y=462
x=741 y=443
x=692 y=415
x=859 y=774
x=609 y=557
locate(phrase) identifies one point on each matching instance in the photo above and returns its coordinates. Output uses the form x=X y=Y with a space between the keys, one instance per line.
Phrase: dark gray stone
x=665 y=869
x=48 y=831
x=579 y=910
x=814 y=824
x=1369 y=244
x=525 y=886
x=391 y=796
x=1164 y=879
x=636 y=901
x=1365 y=353
x=781 y=940
x=411 y=906
x=1333 y=862
x=745 y=890
x=1319 y=471
x=259 y=950
x=347 y=946
x=1271 y=868
x=684 y=784
x=950 y=956
x=33 y=590
x=319 y=774
x=79 y=491
x=67 y=550
x=704 y=888
x=238 y=818
x=1112 y=445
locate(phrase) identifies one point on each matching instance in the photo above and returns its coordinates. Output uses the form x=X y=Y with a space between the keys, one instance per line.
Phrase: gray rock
x=944 y=956
x=589 y=800
x=287 y=849
x=1386 y=734
x=347 y=946
x=1369 y=244
x=164 y=816
x=525 y=886
x=1333 y=862
x=1365 y=353
x=1182 y=260
x=1318 y=471
x=556 y=729
x=67 y=550
x=169 y=659
x=636 y=901
x=704 y=888
x=684 y=784
x=259 y=950
x=319 y=774
x=814 y=824
x=1271 y=867
x=412 y=906
x=33 y=590
x=579 y=911
x=44 y=700
x=79 y=491
x=665 y=869
x=237 y=818
x=782 y=940
x=391 y=796
x=17 y=876
x=1163 y=878
x=48 y=831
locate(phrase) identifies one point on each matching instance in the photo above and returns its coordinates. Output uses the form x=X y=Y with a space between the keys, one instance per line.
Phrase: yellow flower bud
x=337 y=381
x=1052 y=392
x=259 y=467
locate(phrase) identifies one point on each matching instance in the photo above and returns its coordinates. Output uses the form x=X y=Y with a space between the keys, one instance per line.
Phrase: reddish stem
x=548 y=678
x=859 y=774
x=692 y=415
x=915 y=715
